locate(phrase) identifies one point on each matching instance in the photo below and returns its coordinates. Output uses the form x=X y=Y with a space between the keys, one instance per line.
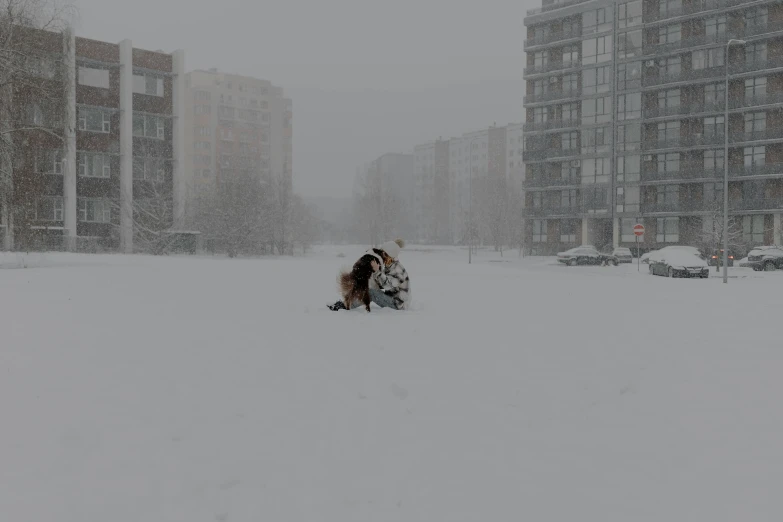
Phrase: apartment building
x=386 y=188
x=431 y=198
x=236 y=127
x=102 y=143
x=625 y=120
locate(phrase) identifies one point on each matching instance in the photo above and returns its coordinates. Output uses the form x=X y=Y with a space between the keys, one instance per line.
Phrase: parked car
x=766 y=258
x=646 y=257
x=713 y=260
x=623 y=254
x=586 y=255
x=670 y=262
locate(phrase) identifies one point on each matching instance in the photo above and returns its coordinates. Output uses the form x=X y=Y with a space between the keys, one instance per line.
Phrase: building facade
x=103 y=141
x=625 y=121
x=385 y=194
x=236 y=127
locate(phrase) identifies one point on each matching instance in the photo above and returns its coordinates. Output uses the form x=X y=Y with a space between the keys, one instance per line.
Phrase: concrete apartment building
x=389 y=182
x=625 y=123
x=443 y=201
x=96 y=149
x=236 y=126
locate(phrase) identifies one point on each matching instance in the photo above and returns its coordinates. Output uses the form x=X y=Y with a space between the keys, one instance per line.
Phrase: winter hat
x=393 y=247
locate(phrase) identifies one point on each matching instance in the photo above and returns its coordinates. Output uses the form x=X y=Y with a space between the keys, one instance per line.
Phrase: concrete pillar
x=776 y=229
x=126 y=146
x=69 y=167
x=178 y=135
x=586 y=238
x=616 y=232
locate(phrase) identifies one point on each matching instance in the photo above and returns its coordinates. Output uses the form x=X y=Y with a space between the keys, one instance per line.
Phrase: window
x=628 y=168
x=94 y=210
x=203 y=131
x=570 y=83
x=568 y=231
x=540 y=114
x=669 y=8
x=595 y=200
x=669 y=131
x=537 y=199
x=202 y=109
x=539 y=230
x=94 y=77
x=715 y=27
x=629 y=14
x=94 y=120
x=202 y=145
x=148 y=84
x=571 y=171
x=629 y=106
x=597 y=50
x=756 y=18
x=571 y=54
x=49 y=161
x=202 y=96
x=707 y=58
x=597 y=110
x=597 y=80
x=753 y=229
x=714 y=126
x=755 y=156
x=713 y=194
x=596 y=140
x=569 y=140
x=568 y=198
x=627 y=200
x=668 y=230
x=48 y=209
x=629 y=75
x=668 y=165
x=667 y=194
x=148 y=126
x=670 y=66
x=755 y=88
x=42 y=66
x=596 y=21
x=629 y=44
x=669 y=34
x=150 y=169
x=626 y=230
x=714 y=160
x=668 y=98
x=756 y=53
x=93 y=165
x=596 y=170
x=540 y=59
x=755 y=122
x=629 y=137
x=715 y=94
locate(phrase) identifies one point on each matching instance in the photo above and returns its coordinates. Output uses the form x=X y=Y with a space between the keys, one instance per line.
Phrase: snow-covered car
x=765 y=258
x=714 y=261
x=585 y=255
x=646 y=256
x=678 y=263
x=623 y=254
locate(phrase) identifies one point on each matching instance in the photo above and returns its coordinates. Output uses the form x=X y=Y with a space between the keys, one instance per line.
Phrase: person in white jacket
x=391 y=278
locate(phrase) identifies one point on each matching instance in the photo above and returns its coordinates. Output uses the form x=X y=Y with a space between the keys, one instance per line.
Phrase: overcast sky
x=365 y=77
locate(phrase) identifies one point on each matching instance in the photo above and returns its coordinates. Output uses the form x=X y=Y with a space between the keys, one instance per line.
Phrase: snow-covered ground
x=140 y=389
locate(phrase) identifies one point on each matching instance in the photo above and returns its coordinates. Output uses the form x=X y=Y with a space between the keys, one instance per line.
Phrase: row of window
x=88 y=210
x=92 y=119
x=667 y=230
x=149 y=84
x=98 y=165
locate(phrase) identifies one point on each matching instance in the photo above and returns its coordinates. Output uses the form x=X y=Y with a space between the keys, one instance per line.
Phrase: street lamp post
x=470 y=200
x=726 y=164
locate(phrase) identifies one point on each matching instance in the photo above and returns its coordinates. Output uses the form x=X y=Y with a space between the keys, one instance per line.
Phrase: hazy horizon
x=380 y=80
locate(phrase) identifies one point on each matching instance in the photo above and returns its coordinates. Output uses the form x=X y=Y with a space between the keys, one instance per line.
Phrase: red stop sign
x=638 y=230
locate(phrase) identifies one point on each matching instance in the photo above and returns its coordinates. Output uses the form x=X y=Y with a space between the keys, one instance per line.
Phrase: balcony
x=553 y=6
x=543 y=154
x=696 y=172
x=756 y=65
x=684 y=76
x=756 y=204
x=550 y=125
x=696 y=41
x=693 y=140
x=555 y=94
x=552 y=38
x=770 y=98
x=757 y=29
x=551 y=66
x=552 y=211
x=540 y=182
x=683 y=109
x=694 y=8
x=774 y=133
x=770 y=169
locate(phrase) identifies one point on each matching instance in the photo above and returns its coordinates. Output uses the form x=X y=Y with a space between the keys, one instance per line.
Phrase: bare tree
x=378 y=210
x=712 y=238
x=31 y=95
x=304 y=225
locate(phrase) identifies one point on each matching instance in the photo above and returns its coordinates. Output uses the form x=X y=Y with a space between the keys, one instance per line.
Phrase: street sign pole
x=638 y=230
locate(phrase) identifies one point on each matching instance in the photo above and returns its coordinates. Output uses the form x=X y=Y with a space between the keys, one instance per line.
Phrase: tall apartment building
x=625 y=106
x=104 y=141
x=236 y=126
x=431 y=198
x=388 y=185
